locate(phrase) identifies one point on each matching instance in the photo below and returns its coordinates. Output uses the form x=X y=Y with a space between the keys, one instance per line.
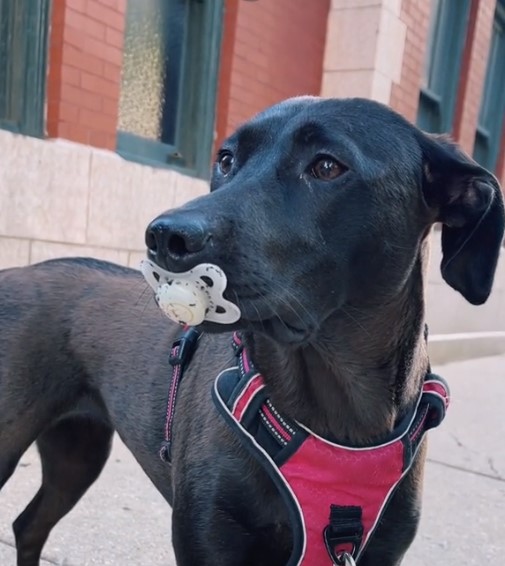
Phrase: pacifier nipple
x=183 y=302
x=193 y=296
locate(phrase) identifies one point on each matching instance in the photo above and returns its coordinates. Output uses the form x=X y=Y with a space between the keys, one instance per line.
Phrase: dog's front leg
x=209 y=538
x=222 y=529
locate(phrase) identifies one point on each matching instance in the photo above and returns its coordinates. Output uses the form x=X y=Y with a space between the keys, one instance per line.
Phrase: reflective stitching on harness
x=279 y=418
x=245 y=362
x=276 y=424
x=272 y=429
x=418 y=427
x=174 y=386
x=180 y=355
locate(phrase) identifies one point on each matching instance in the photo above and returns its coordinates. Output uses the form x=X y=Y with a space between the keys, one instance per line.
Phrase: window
x=169 y=81
x=492 y=108
x=23 y=55
x=446 y=40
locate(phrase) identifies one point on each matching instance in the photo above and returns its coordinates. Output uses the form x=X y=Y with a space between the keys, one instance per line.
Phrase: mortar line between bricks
x=466 y=470
x=11 y=545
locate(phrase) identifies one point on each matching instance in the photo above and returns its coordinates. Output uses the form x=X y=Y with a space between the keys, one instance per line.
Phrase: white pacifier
x=192 y=296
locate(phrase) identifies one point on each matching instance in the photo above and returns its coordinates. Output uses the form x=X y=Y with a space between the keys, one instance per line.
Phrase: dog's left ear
x=468 y=201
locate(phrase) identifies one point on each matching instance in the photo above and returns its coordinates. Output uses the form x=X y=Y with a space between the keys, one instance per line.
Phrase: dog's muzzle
x=193 y=296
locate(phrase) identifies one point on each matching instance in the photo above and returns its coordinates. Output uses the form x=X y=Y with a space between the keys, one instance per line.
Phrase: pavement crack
x=495 y=477
x=457 y=441
x=7 y=543
x=494 y=470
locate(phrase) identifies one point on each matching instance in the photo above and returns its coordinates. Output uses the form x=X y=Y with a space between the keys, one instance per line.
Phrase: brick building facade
x=111 y=110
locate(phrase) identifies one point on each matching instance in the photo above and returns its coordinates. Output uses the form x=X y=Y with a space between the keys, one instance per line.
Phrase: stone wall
x=59 y=198
x=449 y=313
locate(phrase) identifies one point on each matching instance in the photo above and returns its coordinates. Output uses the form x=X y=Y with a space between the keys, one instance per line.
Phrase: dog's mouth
x=257 y=308
x=282 y=331
x=261 y=315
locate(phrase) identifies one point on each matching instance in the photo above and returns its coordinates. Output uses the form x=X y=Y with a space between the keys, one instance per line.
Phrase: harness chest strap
x=335 y=494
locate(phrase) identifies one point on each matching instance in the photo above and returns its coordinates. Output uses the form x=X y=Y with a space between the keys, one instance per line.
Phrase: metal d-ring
x=345 y=559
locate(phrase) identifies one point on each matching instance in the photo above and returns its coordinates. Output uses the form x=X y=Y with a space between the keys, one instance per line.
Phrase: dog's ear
x=468 y=201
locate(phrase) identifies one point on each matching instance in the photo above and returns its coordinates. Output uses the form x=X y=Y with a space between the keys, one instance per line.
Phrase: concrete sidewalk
x=123 y=520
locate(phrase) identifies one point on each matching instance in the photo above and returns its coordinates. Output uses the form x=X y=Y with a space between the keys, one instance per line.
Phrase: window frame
x=194 y=134
x=25 y=80
x=493 y=95
x=445 y=47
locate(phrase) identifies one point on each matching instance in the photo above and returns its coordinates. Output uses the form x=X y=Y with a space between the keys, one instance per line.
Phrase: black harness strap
x=180 y=355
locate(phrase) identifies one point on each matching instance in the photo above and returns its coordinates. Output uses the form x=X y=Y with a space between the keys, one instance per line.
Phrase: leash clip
x=345 y=559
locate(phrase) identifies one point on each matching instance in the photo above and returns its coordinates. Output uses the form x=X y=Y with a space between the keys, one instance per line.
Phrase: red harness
x=335 y=494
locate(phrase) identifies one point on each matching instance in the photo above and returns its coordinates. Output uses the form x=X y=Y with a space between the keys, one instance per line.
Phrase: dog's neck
x=363 y=372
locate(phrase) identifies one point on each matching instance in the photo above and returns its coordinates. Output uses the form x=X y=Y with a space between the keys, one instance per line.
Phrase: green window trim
x=194 y=130
x=446 y=42
x=492 y=109
x=24 y=26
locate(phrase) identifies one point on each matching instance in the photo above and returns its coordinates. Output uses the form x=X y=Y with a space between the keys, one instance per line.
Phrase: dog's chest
x=273 y=534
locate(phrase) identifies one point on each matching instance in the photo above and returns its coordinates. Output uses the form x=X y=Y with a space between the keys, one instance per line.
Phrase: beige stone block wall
x=365 y=41
x=448 y=312
x=14 y=252
x=59 y=198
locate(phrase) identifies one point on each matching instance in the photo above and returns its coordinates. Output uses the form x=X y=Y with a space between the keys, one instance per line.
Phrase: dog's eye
x=225 y=161
x=326 y=168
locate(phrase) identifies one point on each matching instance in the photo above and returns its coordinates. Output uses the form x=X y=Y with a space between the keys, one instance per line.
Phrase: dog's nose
x=172 y=240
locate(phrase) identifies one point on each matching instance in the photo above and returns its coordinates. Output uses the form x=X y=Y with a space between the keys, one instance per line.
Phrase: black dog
x=319 y=214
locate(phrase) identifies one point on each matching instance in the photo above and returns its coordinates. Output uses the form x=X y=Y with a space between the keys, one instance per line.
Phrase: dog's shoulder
x=71 y=263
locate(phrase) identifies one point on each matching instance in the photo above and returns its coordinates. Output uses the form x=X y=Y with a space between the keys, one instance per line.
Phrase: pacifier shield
x=193 y=296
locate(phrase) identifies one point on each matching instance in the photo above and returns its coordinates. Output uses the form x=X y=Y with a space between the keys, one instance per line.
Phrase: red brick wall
x=85 y=55
x=271 y=50
x=278 y=52
x=225 y=69
x=473 y=72
x=405 y=94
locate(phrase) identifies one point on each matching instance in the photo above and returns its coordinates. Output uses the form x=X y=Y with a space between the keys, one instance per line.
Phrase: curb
x=446 y=348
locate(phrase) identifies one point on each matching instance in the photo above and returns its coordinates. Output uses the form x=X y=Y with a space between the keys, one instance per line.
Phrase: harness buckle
x=183 y=347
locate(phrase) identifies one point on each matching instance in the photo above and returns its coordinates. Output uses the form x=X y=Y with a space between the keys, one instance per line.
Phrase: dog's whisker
x=260 y=319
x=354 y=319
x=146 y=304
x=287 y=300
x=286 y=297
x=142 y=294
x=139 y=285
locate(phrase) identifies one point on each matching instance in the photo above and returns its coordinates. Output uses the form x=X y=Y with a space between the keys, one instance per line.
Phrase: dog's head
x=317 y=204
